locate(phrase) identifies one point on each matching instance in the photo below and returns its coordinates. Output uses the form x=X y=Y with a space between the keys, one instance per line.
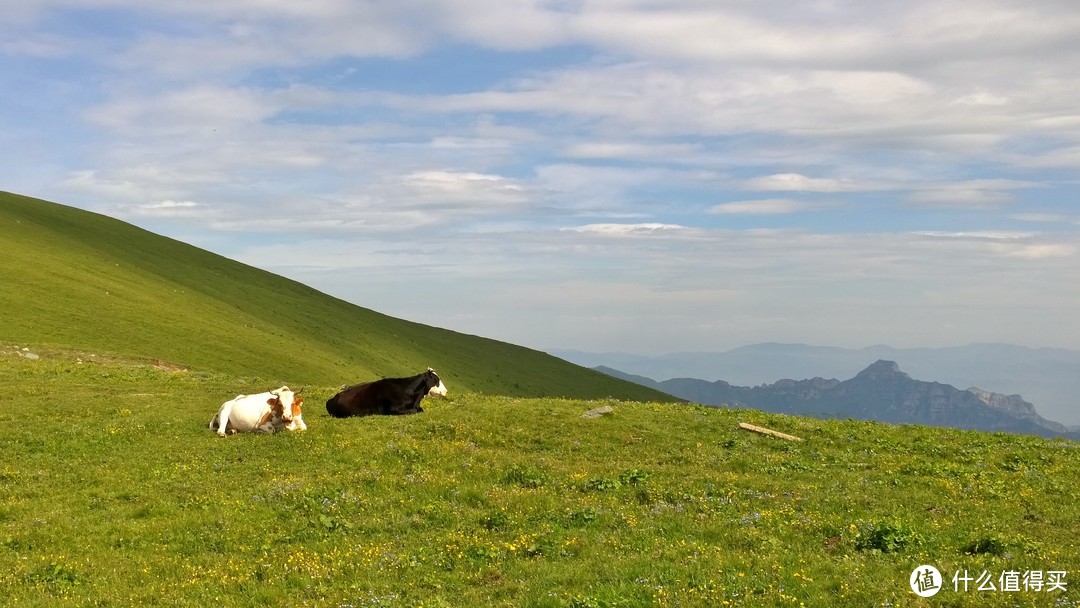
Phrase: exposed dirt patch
x=168 y=366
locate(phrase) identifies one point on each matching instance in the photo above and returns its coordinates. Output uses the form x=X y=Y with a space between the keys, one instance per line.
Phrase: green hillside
x=75 y=279
x=114 y=493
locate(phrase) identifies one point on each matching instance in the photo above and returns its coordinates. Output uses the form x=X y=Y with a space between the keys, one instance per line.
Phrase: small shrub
x=633 y=477
x=537 y=548
x=601 y=484
x=582 y=517
x=56 y=576
x=323 y=510
x=496 y=520
x=644 y=496
x=887 y=538
x=1014 y=463
x=481 y=553
x=525 y=477
x=989 y=545
x=404 y=453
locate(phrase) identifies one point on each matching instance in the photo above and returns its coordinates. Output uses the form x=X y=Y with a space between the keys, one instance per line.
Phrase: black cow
x=389 y=396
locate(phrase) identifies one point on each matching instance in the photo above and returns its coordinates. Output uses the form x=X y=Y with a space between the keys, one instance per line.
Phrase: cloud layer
x=594 y=174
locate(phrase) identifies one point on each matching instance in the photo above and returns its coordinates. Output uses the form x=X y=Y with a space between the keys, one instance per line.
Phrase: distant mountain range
x=1047 y=377
x=880 y=392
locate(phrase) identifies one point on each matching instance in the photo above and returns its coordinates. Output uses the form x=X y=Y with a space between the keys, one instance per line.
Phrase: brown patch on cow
x=275 y=406
x=267 y=417
x=297 y=403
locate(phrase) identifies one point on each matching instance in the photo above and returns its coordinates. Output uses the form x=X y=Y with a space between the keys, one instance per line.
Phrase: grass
x=74 y=279
x=114 y=493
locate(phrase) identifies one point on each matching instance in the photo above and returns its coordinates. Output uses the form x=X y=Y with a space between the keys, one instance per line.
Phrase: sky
x=644 y=176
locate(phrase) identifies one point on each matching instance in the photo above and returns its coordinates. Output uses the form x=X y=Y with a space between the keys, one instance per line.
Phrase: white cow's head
x=285 y=404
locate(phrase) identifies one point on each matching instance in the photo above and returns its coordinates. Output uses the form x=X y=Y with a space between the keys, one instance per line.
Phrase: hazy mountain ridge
x=1047 y=377
x=1015 y=406
x=881 y=392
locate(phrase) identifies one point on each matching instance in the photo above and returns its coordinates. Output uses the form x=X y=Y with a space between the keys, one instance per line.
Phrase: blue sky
x=628 y=175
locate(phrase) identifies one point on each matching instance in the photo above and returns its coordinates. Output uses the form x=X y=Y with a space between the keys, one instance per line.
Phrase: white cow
x=263 y=413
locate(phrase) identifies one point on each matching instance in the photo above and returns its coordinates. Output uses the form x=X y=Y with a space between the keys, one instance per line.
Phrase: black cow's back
x=334 y=408
x=348 y=402
x=388 y=396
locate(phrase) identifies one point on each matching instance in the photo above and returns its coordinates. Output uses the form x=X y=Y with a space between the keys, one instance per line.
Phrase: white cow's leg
x=223 y=418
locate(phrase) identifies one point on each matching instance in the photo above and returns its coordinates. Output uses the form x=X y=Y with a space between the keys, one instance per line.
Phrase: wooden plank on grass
x=765 y=431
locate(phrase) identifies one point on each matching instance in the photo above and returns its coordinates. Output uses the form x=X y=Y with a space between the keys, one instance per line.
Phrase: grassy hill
x=82 y=280
x=114 y=493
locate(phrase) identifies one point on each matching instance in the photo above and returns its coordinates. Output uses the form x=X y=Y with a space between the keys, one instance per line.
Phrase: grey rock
x=596 y=412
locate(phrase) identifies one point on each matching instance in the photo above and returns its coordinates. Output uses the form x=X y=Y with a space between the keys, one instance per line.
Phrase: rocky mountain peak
x=881 y=369
x=1016 y=406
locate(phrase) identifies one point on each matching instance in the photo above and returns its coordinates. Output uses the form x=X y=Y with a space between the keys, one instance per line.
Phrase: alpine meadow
x=117 y=346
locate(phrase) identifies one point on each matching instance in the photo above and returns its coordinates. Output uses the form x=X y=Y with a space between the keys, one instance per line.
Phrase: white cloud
x=514 y=25
x=1044 y=251
x=1048 y=218
x=1067 y=157
x=980 y=234
x=794 y=182
x=972 y=194
x=630 y=150
x=1021 y=245
x=198 y=109
x=712 y=33
x=226 y=37
x=135 y=184
x=960 y=197
x=462 y=190
x=646 y=228
x=767 y=206
x=169 y=208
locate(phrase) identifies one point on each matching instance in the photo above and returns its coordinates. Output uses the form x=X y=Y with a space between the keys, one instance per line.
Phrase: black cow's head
x=434 y=383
